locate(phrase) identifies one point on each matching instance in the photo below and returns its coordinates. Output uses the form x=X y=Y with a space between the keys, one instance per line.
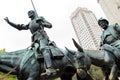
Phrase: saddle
x=108 y=48
x=55 y=52
x=112 y=50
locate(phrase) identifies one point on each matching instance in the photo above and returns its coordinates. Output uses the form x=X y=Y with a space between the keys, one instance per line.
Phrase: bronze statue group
x=44 y=60
x=41 y=47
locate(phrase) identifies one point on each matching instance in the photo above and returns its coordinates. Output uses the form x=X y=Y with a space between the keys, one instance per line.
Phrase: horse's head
x=79 y=53
x=80 y=60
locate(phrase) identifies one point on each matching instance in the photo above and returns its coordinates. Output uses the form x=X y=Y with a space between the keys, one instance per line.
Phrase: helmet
x=31 y=13
x=102 y=20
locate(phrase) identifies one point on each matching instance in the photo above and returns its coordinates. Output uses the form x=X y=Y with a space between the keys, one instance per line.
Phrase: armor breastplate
x=33 y=26
x=109 y=39
x=37 y=32
x=109 y=35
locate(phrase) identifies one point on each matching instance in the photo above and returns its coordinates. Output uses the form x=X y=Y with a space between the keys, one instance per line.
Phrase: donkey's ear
x=77 y=46
x=73 y=53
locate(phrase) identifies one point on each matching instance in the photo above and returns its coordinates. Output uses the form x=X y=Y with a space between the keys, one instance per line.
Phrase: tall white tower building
x=86 y=28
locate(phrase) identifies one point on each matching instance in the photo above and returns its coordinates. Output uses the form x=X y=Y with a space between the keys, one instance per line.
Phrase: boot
x=50 y=70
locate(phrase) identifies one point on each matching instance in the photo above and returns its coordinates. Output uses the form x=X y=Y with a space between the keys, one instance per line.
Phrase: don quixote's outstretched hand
x=6 y=19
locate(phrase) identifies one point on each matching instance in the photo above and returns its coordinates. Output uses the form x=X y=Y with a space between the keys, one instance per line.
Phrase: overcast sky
x=57 y=12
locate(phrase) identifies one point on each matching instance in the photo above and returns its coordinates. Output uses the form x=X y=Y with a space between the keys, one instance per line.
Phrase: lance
x=36 y=13
x=34 y=49
x=34 y=8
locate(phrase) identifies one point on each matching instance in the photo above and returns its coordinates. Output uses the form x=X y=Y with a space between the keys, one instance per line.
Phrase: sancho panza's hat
x=102 y=20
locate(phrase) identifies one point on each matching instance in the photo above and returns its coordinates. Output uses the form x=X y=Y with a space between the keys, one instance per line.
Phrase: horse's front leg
x=106 y=73
x=30 y=78
x=66 y=77
x=34 y=74
x=88 y=77
x=34 y=78
x=114 y=72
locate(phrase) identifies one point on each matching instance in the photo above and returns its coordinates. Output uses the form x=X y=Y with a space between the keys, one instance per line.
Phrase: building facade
x=86 y=28
x=111 y=9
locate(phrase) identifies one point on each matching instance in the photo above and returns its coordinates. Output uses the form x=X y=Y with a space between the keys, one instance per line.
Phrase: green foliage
x=96 y=72
x=9 y=77
x=2 y=51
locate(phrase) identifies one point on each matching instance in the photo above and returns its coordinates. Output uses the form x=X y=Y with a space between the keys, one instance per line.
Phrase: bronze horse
x=28 y=68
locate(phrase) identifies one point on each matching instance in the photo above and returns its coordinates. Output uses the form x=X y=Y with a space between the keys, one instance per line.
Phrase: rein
x=67 y=56
x=5 y=75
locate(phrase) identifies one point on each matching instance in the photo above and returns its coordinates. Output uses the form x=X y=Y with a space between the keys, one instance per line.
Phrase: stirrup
x=49 y=72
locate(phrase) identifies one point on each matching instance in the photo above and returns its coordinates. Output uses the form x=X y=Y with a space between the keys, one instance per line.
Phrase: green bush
x=9 y=77
x=96 y=73
x=2 y=51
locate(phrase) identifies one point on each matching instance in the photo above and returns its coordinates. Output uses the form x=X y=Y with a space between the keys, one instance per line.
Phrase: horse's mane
x=17 y=51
